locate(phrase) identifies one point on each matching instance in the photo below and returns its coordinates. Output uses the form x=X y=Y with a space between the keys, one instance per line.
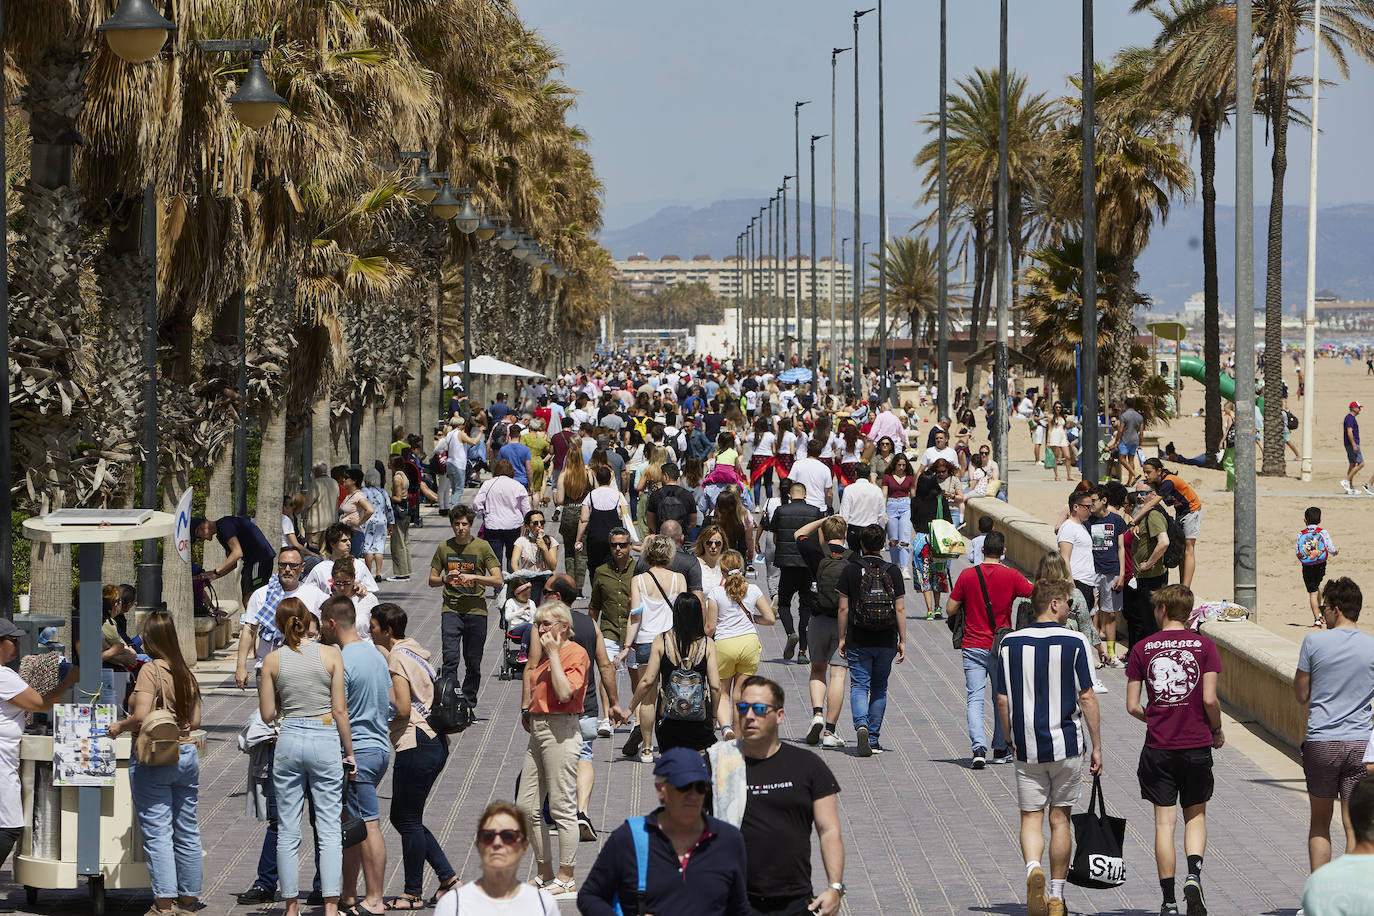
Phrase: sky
x=688 y=103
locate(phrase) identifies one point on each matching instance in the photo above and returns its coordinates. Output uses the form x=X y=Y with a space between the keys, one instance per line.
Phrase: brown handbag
x=158 y=742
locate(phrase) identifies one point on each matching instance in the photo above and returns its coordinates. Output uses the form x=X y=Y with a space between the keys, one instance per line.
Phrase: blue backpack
x=640 y=833
x=1311 y=546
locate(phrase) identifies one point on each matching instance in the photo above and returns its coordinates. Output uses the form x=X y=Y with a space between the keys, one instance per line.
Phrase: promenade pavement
x=923 y=833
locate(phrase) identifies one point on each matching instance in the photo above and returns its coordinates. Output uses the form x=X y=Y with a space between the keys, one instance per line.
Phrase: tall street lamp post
x=1243 y=518
x=999 y=376
x=942 y=280
x=1309 y=394
x=884 y=368
x=1088 y=371
x=815 y=342
x=834 y=53
x=796 y=170
x=858 y=235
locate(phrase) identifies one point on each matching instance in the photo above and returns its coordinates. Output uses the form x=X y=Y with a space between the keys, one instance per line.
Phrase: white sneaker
x=830 y=739
x=813 y=734
x=603 y=728
x=1100 y=688
x=1345 y=485
x=1369 y=489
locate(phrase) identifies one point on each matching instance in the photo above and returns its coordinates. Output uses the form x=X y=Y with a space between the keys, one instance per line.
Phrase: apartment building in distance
x=728 y=279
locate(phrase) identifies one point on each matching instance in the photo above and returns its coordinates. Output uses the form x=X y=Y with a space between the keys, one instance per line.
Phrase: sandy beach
x=1283 y=605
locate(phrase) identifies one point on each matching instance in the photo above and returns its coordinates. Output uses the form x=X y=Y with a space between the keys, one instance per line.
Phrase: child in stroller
x=517 y=622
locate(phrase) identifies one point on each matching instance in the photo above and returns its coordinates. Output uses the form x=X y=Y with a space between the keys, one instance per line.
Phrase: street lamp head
x=836 y=52
x=486 y=229
x=136 y=31
x=815 y=137
x=256 y=103
x=859 y=14
x=468 y=220
x=523 y=248
x=444 y=205
x=796 y=106
x=508 y=239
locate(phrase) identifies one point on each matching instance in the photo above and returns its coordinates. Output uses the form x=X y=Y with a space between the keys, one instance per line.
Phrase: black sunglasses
x=509 y=837
x=701 y=787
x=623 y=545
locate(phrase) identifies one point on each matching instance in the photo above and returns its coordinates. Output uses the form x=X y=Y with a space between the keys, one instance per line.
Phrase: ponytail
x=735 y=585
x=293 y=620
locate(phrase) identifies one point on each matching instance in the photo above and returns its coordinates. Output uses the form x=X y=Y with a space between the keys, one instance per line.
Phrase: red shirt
x=1005 y=585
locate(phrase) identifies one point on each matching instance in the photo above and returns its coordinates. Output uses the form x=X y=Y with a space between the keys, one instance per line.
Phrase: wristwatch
x=837 y=887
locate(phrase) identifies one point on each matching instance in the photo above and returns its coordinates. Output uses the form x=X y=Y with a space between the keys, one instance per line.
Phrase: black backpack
x=828 y=572
x=450 y=713
x=671 y=506
x=1173 y=554
x=876 y=607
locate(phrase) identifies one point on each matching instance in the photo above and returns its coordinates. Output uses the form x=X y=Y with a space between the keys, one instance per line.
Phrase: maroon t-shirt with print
x=1171 y=664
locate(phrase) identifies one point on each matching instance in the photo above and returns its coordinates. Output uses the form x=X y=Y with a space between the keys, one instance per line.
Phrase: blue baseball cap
x=680 y=767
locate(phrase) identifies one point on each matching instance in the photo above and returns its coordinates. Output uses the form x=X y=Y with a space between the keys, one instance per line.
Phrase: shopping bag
x=945 y=539
x=1097 y=860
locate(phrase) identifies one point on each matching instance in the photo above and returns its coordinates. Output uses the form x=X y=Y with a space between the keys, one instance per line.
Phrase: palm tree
x=912 y=284
x=972 y=116
x=1140 y=168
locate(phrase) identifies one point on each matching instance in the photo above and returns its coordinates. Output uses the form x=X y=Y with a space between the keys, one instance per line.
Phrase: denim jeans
x=464 y=639
x=977 y=670
x=309 y=758
x=456 y=474
x=165 y=802
x=413 y=775
x=868 y=673
x=267 y=859
x=899 y=529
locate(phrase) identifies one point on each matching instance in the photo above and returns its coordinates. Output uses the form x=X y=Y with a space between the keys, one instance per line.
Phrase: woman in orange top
x=554 y=687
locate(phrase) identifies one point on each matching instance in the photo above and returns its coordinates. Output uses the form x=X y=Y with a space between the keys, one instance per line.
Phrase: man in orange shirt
x=1173 y=490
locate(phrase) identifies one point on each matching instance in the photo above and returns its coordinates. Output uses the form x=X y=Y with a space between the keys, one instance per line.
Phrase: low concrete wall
x=1257 y=666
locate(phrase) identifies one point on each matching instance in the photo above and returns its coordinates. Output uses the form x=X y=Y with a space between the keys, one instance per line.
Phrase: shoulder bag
x=998 y=633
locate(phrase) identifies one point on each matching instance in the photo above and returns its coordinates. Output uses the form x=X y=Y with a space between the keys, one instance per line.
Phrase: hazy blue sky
x=688 y=103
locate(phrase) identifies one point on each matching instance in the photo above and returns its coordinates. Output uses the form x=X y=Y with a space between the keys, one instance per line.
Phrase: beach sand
x=1283 y=605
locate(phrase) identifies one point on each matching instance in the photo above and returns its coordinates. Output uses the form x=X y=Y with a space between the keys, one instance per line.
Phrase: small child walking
x=1314 y=548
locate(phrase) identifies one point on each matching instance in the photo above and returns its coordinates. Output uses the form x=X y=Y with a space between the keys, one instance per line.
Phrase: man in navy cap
x=712 y=881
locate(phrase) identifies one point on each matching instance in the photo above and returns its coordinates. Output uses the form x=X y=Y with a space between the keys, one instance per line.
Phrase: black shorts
x=1170 y=777
x=1312 y=576
x=254 y=576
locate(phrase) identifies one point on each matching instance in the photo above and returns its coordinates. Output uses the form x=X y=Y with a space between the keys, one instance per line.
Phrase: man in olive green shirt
x=464 y=566
x=610 y=603
x=1147 y=554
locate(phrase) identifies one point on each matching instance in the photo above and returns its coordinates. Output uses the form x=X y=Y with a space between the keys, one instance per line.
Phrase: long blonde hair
x=160 y=642
x=574 y=476
x=735 y=585
x=1052 y=566
x=652 y=478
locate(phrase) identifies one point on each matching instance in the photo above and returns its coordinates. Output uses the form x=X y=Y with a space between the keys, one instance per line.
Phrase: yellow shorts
x=738 y=656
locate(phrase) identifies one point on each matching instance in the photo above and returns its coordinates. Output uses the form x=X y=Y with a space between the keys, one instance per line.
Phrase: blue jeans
x=868 y=673
x=977 y=670
x=413 y=776
x=267 y=859
x=165 y=802
x=899 y=529
x=309 y=758
x=456 y=474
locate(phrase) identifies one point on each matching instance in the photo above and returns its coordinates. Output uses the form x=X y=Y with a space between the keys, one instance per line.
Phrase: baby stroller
x=515 y=639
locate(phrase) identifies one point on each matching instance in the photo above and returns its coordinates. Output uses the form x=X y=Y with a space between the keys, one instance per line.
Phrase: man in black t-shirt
x=872 y=624
x=790 y=791
x=823 y=547
x=241 y=540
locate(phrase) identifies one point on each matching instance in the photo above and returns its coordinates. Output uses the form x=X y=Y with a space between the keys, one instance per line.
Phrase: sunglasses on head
x=760 y=709
x=508 y=837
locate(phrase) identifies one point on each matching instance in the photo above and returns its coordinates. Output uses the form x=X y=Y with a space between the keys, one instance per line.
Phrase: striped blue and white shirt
x=1042 y=669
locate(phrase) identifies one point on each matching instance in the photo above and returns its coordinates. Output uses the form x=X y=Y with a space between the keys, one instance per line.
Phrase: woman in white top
x=503 y=837
x=602 y=509
x=1059 y=441
x=732 y=609
x=709 y=548
x=761 y=462
x=651 y=613
x=535 y=551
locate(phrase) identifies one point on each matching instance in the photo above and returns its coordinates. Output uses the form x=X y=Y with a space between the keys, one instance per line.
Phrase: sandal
x=444 y=888
x=406 y=902
x=357 y=909
x=563 y=888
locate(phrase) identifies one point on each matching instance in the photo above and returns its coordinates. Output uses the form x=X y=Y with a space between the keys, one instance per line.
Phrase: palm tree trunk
x=272 y=474
x=320 y=436
x=1211 y=321
x=1273 y=464
x=218 y=502
x=381 y=430
x=367 y=434
x=1119 y=365
x=975 y=323
x=117 y=566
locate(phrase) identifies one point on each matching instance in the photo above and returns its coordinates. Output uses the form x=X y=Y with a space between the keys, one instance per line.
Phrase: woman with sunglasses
x=1059 y=441
x=709 y=548
x=883 y=458
x=535 y=552
x=732 y=610
x=502 y=838
x=555 y=686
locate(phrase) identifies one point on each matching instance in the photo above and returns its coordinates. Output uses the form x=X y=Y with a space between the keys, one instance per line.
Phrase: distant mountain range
x=1170 y=268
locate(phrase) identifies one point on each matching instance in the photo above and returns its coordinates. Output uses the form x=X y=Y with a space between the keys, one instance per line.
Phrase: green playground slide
x=1196 y=369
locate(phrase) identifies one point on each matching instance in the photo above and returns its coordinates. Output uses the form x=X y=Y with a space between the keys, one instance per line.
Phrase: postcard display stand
x=74 y=832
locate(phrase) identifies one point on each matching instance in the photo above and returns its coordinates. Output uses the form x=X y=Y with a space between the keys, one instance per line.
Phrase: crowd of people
x=651 y=515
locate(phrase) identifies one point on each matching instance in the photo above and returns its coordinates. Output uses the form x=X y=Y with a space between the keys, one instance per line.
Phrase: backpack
x=1173 y=554
x=1311 y=546
x=684 y=694
x=828 y=572
x=1291 y=420
x=159 y=735
x=876 y=608
x=671 y=506
x=450 y=713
